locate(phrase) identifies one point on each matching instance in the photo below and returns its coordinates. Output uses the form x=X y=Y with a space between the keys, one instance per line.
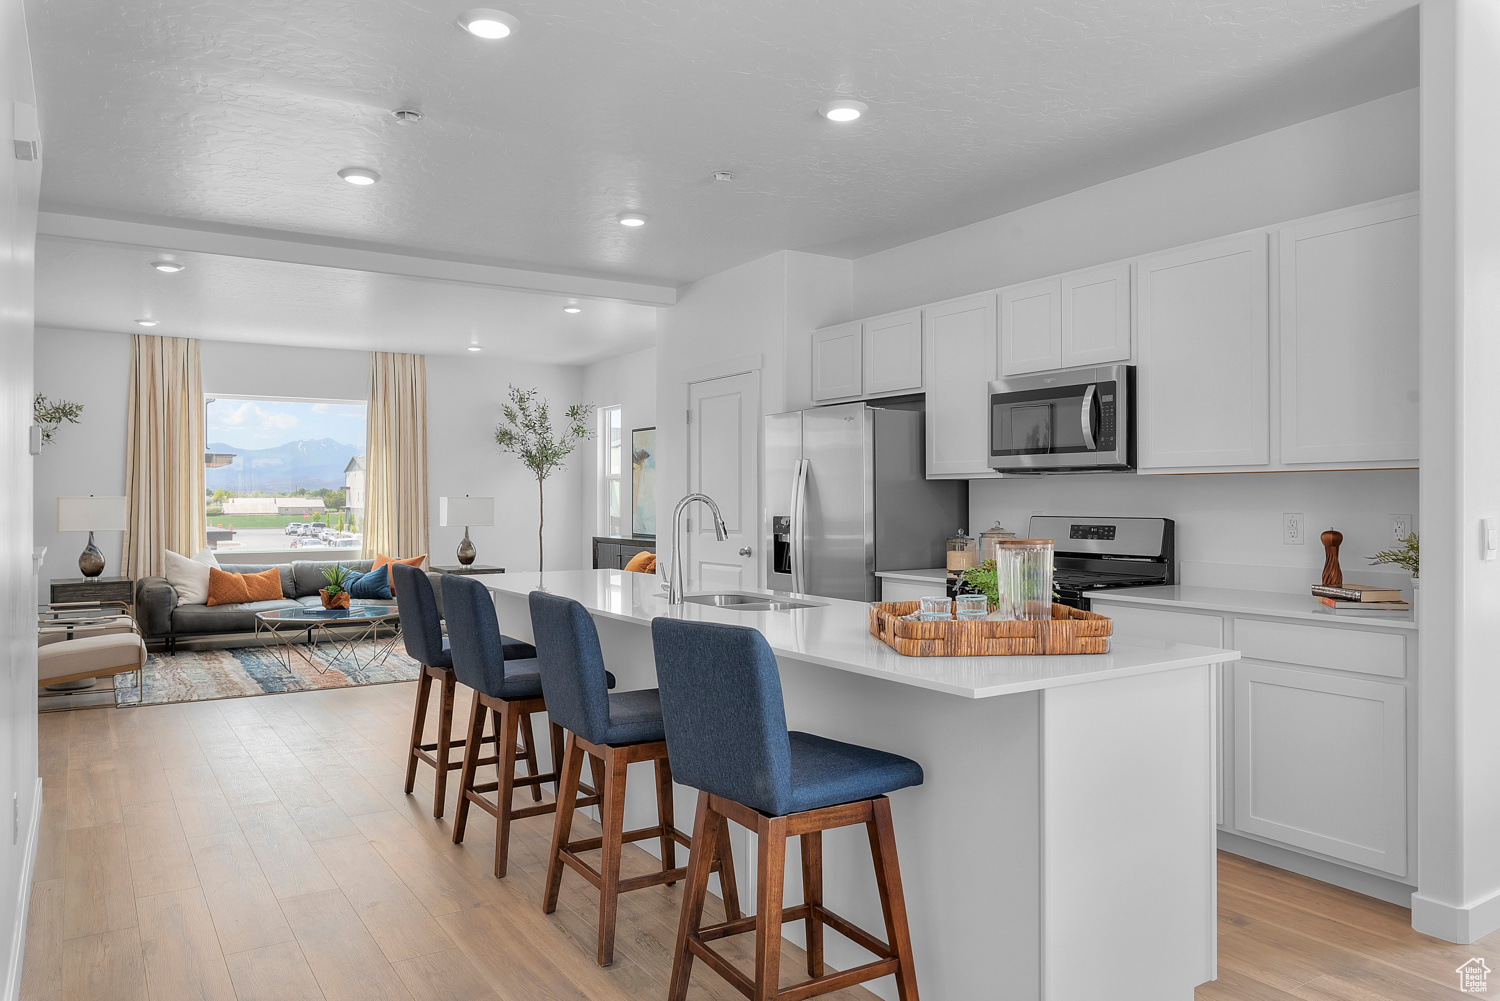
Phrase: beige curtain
x=164 y=500
x=396 y=457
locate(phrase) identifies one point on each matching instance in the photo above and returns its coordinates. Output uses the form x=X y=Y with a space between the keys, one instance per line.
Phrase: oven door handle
x=1086 y=418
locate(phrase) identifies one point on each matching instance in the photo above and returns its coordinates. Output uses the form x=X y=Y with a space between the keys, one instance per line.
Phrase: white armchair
x=81 y=640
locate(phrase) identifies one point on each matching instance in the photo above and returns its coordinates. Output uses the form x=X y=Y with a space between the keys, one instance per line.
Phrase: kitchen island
x=1062 y=845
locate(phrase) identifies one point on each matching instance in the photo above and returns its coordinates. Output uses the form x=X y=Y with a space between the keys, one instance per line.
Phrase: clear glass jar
x=990 y=540
x=1024 y=569
x=963 y=553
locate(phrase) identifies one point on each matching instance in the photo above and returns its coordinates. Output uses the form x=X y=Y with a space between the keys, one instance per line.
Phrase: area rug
x=204 y=675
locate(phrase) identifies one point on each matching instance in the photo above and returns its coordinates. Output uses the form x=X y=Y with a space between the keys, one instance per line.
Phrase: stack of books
x=1357 y=597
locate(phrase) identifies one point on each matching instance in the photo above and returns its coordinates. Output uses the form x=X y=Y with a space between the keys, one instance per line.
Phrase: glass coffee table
x=285 y=630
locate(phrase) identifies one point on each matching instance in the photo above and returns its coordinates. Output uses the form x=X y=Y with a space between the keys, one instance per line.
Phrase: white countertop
x=837 y=634
x=915 y=576
x=1224 y=599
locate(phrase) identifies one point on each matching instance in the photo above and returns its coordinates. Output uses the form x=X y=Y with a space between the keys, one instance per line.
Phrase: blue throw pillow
x=375 y=584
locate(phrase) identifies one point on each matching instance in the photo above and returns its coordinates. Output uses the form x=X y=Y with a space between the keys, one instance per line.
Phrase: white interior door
x=724 y=463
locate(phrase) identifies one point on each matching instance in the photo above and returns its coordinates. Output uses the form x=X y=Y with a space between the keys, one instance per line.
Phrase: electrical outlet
x=1400 y=527
x=1291 y=529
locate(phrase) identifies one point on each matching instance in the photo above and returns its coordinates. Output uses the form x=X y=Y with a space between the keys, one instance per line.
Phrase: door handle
x=799 y=498
x=745 y=551
x=1087 y=418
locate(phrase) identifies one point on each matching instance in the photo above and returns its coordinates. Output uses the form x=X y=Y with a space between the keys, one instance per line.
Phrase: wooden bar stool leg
x=812 y=895
x=770 y=880
x=707 y=829
x=664 y=816
x=444 y=741
x=557 y=735
x=528 y=741
x=505 y=747
x=892 y=899
x=612 y=818
x=569 y=767
x=596 y=768
x=477 y=716
x=418 y=724
x=728 y=881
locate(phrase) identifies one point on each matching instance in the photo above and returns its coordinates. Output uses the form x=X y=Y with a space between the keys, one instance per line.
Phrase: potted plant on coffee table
x=334 y=595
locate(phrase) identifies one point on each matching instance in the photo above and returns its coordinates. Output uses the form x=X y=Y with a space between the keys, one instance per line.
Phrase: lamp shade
x=466 y=511
x=91 y=514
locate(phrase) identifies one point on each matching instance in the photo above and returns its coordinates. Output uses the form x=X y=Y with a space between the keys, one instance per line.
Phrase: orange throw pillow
x=380 y=561
x=642 y=562
x=232 y=588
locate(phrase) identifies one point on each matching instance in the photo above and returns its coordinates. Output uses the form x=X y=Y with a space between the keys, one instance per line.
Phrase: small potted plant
x=1408 y=557
x=334 y=595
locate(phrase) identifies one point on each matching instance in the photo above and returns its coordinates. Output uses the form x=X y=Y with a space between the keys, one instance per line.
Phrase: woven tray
x=1069 y=631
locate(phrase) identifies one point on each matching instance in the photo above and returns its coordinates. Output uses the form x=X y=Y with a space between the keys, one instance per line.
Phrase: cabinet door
x=1320 y=763
x=838 y=362
x=893 y=353
x=1203 y=381
x=1096 y=316
x=1031 y=327
x=1349 y=336
x=959 y=345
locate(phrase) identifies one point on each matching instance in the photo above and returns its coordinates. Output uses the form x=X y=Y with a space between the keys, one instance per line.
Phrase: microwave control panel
x=1106 y=434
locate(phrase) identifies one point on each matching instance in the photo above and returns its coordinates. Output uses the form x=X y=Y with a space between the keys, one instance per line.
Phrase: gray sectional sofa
x=163 y=620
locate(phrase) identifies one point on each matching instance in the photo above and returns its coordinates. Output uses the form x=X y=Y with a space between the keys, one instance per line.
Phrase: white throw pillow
x=190 y=576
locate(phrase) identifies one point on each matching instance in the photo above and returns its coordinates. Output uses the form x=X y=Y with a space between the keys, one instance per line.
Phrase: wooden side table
x=470 y=570
x=120 y=589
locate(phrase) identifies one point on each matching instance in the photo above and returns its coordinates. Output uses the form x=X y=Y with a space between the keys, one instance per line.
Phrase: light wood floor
x=261 y=850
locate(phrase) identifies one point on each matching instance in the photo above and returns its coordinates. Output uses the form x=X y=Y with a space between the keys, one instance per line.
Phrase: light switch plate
x=1291 y=529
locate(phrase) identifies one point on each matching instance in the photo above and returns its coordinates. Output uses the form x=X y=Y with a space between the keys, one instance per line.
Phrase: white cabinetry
x=1202 y=388
x=1348 y=311
x=1320 y=763
x=1096 y=316
x=1031 y=327
x=893 y=353
x=838 y=362
x=959 y=359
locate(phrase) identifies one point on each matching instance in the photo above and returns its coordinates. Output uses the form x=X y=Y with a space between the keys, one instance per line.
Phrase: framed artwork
x=643 y=481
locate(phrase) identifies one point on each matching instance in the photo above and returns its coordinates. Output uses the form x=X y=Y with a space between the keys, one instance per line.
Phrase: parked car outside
x=314 y=527
x=294 y=528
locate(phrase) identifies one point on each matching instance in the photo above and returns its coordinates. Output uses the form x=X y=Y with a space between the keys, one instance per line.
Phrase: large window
x=284 y=474
x=611 y=462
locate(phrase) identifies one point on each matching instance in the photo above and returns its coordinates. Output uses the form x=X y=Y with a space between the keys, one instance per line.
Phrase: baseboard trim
x=23 y=902
x=1322 y=870
x=1459 y=924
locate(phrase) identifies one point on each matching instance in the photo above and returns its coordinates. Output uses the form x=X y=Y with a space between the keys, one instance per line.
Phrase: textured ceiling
x=238 y=113
x=94 y=286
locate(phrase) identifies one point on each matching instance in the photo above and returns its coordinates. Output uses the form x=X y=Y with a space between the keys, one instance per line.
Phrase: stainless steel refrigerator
x=847 y=495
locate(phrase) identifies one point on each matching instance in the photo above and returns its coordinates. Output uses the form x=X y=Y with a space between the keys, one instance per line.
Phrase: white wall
x=627 y=382
x=1229 y=525
x=464 y=395
x=1351 y=156
x=19 y=181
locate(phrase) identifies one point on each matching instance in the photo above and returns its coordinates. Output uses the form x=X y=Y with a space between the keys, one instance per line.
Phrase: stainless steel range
x=1093 y=554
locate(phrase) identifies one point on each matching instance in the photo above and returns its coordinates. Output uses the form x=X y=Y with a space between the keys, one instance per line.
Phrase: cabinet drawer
x=1322 y=646
x=1132 y=623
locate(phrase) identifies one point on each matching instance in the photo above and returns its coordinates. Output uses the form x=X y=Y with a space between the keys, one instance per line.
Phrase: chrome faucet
x=721 y=532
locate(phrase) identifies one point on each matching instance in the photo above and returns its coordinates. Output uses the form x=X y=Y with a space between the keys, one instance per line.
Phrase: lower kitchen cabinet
x=1320 y=763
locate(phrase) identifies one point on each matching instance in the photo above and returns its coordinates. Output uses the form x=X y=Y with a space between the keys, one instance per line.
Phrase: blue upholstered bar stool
x=510 y=690
x=422 y=633
x=613 y=732
x=727 y=737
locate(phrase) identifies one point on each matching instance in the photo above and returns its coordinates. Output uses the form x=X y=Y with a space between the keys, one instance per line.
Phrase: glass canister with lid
x=963 y=553
x=1024 y=570
x=990 y=540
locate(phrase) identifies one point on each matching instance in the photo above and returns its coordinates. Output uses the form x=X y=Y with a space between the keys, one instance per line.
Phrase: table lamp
x=466 y=511
x=91 y=514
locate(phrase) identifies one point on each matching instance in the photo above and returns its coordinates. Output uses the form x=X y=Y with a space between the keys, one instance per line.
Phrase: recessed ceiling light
x=170 y=267
x=572 y=309
x=146 y=323
x=409 y=115
x=632 y=219
x=723 y=175
x=475 y=347
x=359 y=175
x=483 y=22
x=843 y=111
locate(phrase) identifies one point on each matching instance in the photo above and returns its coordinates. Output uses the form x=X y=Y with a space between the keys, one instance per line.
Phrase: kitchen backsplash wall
x=1229 y=526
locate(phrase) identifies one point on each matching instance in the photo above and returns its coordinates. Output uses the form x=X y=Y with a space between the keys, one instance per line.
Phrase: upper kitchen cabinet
x=1096 y=316
x=959 y=359
x=1203 y=381
x=838 y=362
x=1348 y=311
x=893 y=353
x=1031 y=319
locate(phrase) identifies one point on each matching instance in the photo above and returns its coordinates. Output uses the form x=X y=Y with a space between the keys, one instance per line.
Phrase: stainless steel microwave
x=1064 y=422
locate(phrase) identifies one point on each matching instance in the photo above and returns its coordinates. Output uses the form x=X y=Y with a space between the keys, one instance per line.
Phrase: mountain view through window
x=284 y=474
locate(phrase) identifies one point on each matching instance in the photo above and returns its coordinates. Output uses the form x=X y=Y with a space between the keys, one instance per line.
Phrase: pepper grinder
x=1332 y=575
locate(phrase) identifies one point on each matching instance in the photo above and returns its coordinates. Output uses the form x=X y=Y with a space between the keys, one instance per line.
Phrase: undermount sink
x=750 y=602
